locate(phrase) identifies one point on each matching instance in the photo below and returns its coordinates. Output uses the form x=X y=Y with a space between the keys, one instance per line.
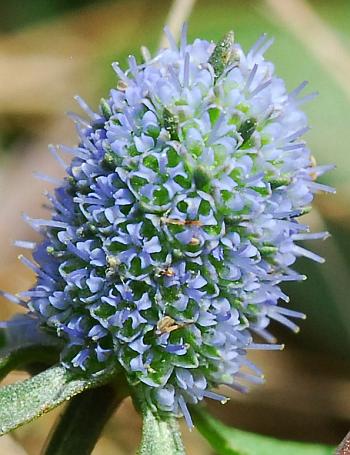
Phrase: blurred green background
x=52 y=50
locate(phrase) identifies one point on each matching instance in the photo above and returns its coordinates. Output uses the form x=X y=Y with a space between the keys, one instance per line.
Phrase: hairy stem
x=160 y=431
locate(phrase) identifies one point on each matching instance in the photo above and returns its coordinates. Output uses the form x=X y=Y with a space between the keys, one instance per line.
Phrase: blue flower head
x=177 y=222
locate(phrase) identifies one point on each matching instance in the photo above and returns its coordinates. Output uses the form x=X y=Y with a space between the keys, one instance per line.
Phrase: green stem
x=83 y=420
x=160 y=432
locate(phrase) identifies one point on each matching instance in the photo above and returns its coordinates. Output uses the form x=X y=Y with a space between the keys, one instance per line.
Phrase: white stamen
x=265 y=334
x=215 y=396
x=251 y=77
x=88 y=200
x=85 y=107
x=75 y=151
x=183 y=39
x=321 y=187
x=300 y=145
x=308 y=254
x=30 y=294
x=292 y=277
x=257 y=44
x=285 y=321
x=174 y=78
x=77 y=119
x=53 y=151
x=25 y=244
x=120 y=73
x=238 y=387
x=185 y=412
x=250 y=377
x=291 y=313
x=88 y=144
x=214 y=131
x=252 y=366
x=294 y=93
x=133 y=66
x=146 y=55
x=307 y=98
x=130 y=120
x=38 y=222
x=260 y=87
x=311 y=236
x=266 y=46
x=13 y=298
x=265 y=347
x=47 y=178
x=186 y=70
x=297 y=134
x=171 y=39
x=320 y=170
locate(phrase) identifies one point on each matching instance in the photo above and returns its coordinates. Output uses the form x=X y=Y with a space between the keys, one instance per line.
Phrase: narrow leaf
x=230 y=441
x=24 y=401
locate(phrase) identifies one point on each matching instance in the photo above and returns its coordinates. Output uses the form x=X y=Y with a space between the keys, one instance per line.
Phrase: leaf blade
x=230 y=441
x=24 y=401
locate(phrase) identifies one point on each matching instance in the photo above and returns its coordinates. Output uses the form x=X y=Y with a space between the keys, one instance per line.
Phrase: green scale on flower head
x=177 y=222
x=222 y=54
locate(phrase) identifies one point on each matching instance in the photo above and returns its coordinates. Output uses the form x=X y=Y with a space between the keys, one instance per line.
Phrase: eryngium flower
x=177 y=222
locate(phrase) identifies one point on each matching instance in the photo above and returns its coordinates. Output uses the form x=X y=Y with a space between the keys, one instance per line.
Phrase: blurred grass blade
x=230 y=441
x=178 y=15
x=24 y=401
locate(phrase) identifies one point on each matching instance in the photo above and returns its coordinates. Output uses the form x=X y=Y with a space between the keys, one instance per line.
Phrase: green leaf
x=230 y=441
x=24 y=401
x=22 y=344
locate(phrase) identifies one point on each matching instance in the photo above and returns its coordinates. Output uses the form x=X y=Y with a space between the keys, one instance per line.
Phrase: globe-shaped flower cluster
x=177 y=222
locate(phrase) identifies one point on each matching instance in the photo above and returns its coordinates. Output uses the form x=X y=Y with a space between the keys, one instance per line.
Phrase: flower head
x=177 y=222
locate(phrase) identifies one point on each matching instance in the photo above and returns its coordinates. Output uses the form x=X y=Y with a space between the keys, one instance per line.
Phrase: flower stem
x=160 y=435
x=83 y=420
x=160 y=432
